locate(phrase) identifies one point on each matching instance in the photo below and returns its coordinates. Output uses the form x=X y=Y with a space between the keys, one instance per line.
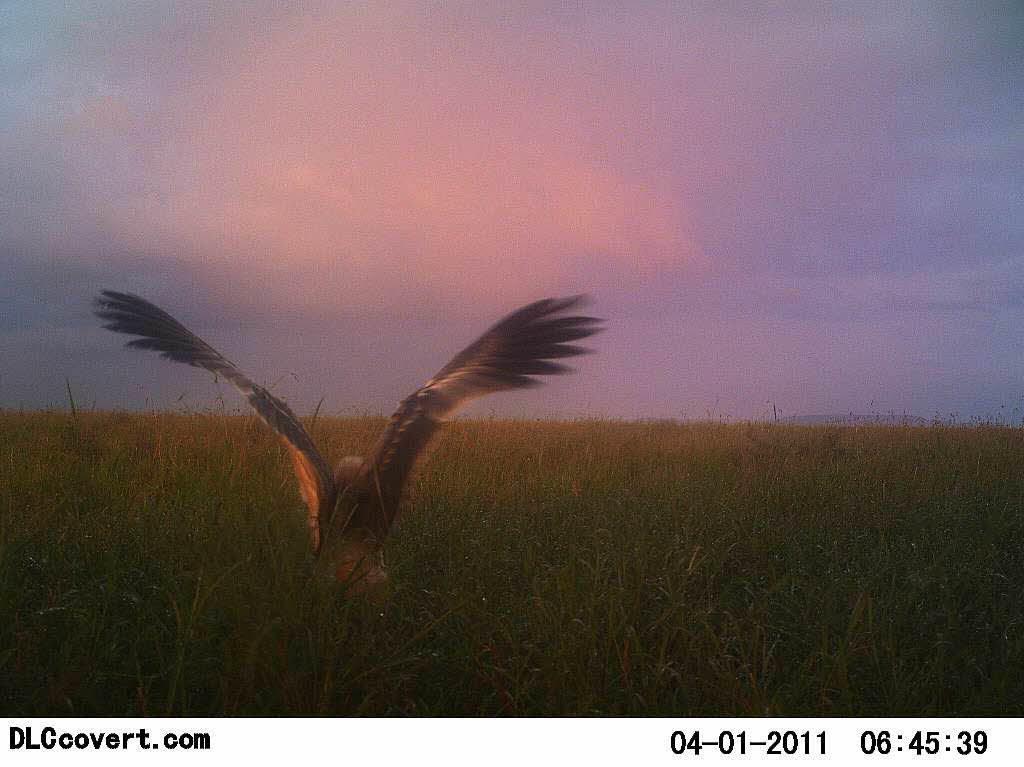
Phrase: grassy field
x=157 y=564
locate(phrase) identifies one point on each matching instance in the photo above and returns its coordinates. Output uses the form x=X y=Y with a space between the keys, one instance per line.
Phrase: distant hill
x=856 y=419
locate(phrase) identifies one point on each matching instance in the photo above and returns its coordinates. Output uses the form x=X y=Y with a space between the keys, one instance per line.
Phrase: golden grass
x=158 y=564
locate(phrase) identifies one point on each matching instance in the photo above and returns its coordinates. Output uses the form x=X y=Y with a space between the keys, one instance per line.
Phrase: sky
x=778 y=208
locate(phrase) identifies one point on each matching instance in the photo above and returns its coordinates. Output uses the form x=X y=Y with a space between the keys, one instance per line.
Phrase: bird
x=352 y=509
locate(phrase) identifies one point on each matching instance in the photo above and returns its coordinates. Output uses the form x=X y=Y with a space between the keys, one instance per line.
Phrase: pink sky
x=816 y=209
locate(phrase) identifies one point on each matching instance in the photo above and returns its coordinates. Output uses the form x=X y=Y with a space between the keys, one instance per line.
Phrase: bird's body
x=352 y=509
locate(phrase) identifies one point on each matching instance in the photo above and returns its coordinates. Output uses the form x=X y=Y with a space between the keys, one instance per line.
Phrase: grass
x=158 y=565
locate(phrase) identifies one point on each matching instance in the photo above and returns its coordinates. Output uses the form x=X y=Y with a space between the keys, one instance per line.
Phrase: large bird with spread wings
x=352 y=510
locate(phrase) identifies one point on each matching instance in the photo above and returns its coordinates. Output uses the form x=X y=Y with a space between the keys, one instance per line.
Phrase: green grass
x=158 y=564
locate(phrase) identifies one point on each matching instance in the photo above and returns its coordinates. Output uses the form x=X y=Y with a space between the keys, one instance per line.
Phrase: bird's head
x=347 y=471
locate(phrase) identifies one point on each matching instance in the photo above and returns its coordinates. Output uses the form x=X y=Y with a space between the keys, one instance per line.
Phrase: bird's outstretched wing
x=507 y=356
x=159 y=331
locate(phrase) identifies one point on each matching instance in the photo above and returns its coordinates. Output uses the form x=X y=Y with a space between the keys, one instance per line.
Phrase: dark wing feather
x=159 y=331
x=505 y=357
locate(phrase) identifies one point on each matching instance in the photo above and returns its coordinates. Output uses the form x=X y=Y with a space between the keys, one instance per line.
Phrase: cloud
x=341 y=155
x=801 y=175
